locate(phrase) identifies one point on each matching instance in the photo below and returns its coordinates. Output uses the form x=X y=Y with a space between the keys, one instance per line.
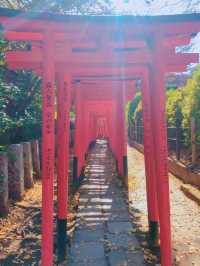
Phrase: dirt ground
x=185 y=214
x=20 y=231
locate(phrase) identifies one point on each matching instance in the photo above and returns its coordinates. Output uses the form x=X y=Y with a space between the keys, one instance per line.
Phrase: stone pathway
x=105 y=234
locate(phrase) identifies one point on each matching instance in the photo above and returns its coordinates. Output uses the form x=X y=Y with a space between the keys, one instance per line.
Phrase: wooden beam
x=177 y=40
x=74 y=42
x=86 y=57
x=135 y=25
x=99 y=72
x=182 y=59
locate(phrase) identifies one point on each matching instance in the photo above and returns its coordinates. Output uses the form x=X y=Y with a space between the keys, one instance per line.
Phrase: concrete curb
x=176 y=168
x=191 y=192
x=192 y=180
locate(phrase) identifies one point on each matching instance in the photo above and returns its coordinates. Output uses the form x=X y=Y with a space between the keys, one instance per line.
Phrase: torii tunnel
x=101 y=115
x=94 y=61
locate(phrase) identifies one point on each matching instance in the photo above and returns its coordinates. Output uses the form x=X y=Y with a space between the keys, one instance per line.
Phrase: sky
x=156 y=7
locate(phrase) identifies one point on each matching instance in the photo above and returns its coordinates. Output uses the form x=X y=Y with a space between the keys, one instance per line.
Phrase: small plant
x=2 y=177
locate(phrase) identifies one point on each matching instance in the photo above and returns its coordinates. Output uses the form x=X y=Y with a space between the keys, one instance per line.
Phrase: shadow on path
x=105 y=234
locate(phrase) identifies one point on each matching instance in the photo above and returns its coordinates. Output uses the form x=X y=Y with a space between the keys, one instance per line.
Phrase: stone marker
x=4 y=208
x=36 y=159
x=16 y=171
x=28 y=165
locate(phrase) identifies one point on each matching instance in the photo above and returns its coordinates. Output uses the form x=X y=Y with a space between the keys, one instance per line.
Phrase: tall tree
x=62 y=6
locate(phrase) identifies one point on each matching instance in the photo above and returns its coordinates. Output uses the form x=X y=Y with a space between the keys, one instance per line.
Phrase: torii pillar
x=149 y=157
x=159 y=128
x=48 y=148
x=79 y=154
x=63 y=103
x=124 y=137
x=120 y=127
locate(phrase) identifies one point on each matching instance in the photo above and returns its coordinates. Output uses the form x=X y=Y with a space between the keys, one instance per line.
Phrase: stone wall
x=17 y=166
x=28 y=165
x=16 y=171
x=3 y=184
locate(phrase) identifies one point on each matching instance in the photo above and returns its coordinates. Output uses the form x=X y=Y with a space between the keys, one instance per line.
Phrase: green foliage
x=20 y=105
x=20 y=101
x=174 y=107
x=61 y=6
x=2 y=177
x=135 y=108
x=191 y=102
x=182 y=104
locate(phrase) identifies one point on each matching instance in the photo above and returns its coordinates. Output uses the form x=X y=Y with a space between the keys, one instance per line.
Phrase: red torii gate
x=108 y=43
x=101 y=96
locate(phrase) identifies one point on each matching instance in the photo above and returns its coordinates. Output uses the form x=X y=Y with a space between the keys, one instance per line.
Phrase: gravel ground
x=185 y=214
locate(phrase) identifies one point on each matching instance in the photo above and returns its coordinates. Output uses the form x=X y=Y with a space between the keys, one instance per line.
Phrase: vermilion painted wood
x=84 y=113
x=67 y=106
x=149 y=150
x=82 y=70
x=93 y=110
x=106 y=91
x=107 y=57
x=121 y=129
x=63 y=95
x=100 y=71
x=124 y=100
x=37 y=36
x=48 y=150
x=60 y=149
x=180 y=24
x=140 y=57
x=161 y=151
x=77 y=110
x=93 y=115
x=78 y=127
x=82 y=139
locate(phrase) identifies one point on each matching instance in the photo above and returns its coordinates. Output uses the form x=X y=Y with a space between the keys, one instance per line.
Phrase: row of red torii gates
x=94 y=62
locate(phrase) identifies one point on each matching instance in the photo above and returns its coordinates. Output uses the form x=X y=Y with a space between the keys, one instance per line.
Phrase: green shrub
x=182 y=104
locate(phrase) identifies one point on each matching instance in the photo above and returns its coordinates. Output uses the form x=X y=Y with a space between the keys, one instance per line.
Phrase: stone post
x=3 y=184
x=16 y=171
x=28 y=166
x=36 y=159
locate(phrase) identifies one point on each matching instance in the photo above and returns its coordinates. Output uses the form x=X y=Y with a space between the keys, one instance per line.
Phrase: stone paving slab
x=124 y=241
x=87 y=251
x=95 y=262
x=105 y=234
x=119 y=257
x=120 y=227
x=88 y=235
x=121 y=216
